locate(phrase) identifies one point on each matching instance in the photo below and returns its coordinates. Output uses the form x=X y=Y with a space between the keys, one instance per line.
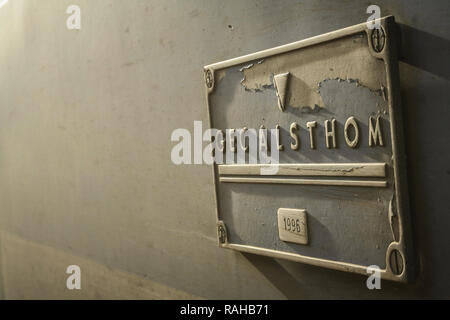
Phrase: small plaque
x=292 y=226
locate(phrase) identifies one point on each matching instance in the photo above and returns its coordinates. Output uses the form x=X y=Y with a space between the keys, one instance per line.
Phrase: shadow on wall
x=429 y=53
x=425 y=51
x=425 y=92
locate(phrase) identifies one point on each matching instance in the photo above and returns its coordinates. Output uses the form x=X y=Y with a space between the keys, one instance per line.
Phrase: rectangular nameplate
x=327 y=109
x=292 y=225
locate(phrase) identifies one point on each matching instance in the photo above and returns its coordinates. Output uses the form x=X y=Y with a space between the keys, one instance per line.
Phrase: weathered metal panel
x=346 y=78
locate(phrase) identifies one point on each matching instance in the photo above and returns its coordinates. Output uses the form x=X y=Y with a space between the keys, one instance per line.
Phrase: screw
x=378 y=39
x=396 y=262
x=209 y=79
x=221 y=234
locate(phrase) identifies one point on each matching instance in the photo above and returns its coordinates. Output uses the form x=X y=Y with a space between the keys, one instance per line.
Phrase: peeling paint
x=309 y=109
x=246 y=67
x=220 y=74
x=338 y=93
x=381 y=92
x=346 y=59
x=348 y=170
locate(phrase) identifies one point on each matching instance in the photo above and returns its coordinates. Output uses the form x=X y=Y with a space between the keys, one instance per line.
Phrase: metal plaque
x=336 y=197
x=292 y=225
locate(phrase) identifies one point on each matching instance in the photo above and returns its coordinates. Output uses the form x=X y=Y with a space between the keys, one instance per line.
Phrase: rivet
x=209 y=79
x=378 y=39
x=396 y=262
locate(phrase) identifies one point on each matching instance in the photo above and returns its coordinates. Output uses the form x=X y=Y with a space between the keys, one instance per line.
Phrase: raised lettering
x=296 y=143
x=311 y=125
x=330 y=134
x=351 y=122
x=375 y=134
x=280 y=147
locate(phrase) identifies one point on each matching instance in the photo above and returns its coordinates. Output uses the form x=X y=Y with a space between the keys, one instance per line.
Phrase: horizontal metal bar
x=335 y=265
x=309 y=169
x=291 y=46
x=319 y=182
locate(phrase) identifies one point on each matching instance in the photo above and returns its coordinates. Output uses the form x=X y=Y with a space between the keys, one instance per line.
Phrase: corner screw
x=396 y=262
x=221 y=234
x=378 y=39
x=209 y=79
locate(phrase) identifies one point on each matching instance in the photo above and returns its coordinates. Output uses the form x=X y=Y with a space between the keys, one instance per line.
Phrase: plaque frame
x=383 y=45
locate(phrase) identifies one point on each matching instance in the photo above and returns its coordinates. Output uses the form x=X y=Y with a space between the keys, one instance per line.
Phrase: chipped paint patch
x=347 y=94
x=246 y=67
x=347 y=59
x=380 y=92
x=259 y=87
x=220 y=74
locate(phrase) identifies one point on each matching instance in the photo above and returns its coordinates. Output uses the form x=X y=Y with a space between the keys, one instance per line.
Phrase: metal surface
x=300 y=74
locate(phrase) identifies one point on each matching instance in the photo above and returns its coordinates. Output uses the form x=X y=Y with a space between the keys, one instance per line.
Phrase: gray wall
x=85 y=124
